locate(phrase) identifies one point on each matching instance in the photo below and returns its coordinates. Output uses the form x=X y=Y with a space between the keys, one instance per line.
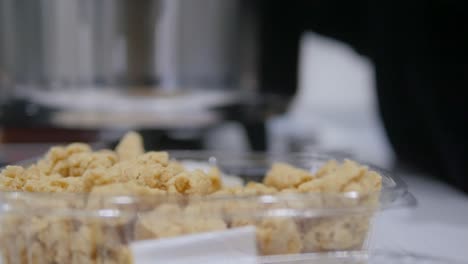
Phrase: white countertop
x=438 y=226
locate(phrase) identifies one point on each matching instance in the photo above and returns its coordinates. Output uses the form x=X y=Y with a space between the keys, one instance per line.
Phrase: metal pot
x=73 y=54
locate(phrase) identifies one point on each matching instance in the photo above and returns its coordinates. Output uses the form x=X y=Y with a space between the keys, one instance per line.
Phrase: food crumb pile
x=45 y=237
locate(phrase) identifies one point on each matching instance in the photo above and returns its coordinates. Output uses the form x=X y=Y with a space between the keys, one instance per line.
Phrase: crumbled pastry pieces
x=51 y=239
x=56 y=160
x=284 y=176
x=339 y=233
x=279 y=236
x=327 y=168
x=201 y=217
x=127 y=188
x=81 y=162
x=345 y=177
x=76 y=169
x=12 y=178
x=54 y=183
x=252 y=188
x=170 y=220
x=130 y=147
x=130 y=171
x=332 y=177
x=164 y=221
x=195 y=182
x=215 y=179
x=153 y=157
x=369 y=181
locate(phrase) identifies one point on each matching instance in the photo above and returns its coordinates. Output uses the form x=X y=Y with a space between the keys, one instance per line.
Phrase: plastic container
x=289 y=228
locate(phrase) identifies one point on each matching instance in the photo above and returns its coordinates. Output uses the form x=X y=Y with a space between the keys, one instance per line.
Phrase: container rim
x=394 y=182
x=394 y=192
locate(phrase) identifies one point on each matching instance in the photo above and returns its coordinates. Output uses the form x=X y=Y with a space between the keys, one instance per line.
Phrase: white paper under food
x=236 y=246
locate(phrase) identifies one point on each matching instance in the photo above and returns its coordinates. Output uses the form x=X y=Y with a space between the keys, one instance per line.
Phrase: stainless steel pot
x=65 y=53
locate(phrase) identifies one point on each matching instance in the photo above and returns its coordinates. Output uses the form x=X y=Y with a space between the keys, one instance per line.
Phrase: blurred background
x=379 y=81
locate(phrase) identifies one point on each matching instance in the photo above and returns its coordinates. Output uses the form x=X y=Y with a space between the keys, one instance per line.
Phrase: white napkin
x=236 y=246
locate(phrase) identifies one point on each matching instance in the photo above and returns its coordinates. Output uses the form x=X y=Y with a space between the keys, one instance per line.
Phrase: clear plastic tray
x=290 y=228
